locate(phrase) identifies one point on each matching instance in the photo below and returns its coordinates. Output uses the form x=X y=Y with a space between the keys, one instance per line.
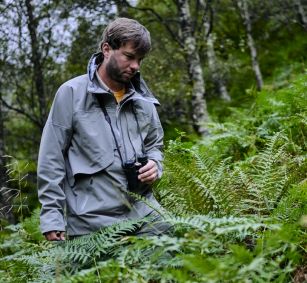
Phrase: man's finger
x=62 y=236
x=55 y=236
x=149 y=178
x=148 y=174
x=150 y=164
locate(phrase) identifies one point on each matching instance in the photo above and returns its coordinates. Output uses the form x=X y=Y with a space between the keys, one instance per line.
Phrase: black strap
x=139 y=129
x=108 y=119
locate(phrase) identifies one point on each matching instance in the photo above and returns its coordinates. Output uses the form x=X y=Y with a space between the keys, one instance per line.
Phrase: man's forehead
x=131 y=47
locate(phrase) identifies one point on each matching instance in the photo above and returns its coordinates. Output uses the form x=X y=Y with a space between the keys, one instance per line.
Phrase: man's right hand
x=55 y=236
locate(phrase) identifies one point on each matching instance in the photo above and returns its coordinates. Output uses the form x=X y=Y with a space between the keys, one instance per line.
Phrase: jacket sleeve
x=154 y=141
x=51 y=161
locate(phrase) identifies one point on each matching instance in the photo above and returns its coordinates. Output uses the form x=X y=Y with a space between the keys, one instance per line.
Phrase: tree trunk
x=212 y=60
x=243 y=6
x=213 y=67
x=36 y=59
x=200 y=116
x=301 y=13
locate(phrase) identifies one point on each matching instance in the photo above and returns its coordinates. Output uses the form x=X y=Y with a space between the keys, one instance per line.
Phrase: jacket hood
x=137 y=81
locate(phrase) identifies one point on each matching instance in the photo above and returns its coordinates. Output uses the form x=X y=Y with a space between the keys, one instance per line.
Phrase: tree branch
x=22 y=112
x=158 y=17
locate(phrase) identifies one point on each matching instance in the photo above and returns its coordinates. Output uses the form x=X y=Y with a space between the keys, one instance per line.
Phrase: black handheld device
x=132 y=168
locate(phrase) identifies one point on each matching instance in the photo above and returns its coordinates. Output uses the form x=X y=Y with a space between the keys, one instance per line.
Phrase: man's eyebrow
x=133 y=54
x=129 y=53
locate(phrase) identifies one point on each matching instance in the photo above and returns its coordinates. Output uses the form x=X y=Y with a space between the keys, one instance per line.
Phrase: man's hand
x=55 y=236
x=148 y=173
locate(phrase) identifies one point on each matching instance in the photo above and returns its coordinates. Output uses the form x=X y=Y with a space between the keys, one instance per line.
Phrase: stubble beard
x=115 y=73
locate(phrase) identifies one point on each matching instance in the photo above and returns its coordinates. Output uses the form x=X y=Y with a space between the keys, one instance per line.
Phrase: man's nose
x=135 y=65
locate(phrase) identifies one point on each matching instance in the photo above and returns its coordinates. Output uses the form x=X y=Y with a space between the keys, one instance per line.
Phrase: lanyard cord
x=135 y=155
x=108 y=119
x=139 y=129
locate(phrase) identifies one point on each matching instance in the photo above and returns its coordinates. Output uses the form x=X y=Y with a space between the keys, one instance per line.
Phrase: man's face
x=123 y=63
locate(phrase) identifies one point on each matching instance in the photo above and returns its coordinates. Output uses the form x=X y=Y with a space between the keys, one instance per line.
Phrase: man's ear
x=106 y=49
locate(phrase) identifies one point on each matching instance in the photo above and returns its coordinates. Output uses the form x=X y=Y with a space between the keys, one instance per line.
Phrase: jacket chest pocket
x=92 y=135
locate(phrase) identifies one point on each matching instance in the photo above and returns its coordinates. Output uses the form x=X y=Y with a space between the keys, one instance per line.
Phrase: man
x=98 y=126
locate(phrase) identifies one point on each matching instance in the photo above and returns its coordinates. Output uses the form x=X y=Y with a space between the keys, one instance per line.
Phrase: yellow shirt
x=119 y=94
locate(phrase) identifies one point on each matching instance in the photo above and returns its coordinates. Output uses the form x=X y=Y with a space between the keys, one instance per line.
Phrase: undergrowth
x=237 y=202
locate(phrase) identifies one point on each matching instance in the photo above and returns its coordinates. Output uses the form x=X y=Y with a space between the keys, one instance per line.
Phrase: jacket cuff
x=52 y=221
x=158 y=162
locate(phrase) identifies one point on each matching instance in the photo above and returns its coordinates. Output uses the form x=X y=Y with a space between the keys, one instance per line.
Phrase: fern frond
x=100 y=243
x=192 y=187
x=201 y=185
x=271 y=176
x=221 y=225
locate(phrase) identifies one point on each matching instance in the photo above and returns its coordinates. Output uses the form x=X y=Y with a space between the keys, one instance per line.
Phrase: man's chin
x=126 y=78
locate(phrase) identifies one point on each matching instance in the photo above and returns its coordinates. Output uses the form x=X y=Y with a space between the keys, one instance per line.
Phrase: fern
x=265 y=179
x=199 y=240
x=255 y=185
x=44 y=261
x=195 y=183
x=237 y=201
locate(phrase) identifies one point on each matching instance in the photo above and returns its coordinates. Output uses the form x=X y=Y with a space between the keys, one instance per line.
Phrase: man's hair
x=123 y=30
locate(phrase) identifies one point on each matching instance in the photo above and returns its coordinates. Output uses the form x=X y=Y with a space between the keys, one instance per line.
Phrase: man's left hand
x=148 y=173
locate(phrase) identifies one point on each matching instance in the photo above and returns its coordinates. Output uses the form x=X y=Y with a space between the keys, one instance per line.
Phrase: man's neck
x=111 y=84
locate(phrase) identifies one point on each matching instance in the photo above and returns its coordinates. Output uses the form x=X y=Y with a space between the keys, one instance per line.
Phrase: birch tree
x=213 y=63
x=200 y=116
x=246 y=17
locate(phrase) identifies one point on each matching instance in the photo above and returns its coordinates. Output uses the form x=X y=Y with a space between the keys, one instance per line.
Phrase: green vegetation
x=237 y=201
x=237 y=198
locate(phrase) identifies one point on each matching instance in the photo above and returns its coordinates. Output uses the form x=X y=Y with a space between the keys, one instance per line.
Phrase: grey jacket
x=81 y=184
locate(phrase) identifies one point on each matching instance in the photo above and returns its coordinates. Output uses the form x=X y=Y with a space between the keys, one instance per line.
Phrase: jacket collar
x=137 y=83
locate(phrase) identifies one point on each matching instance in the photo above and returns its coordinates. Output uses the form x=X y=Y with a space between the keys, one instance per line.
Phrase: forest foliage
x=237 y=202
x=236 y=197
